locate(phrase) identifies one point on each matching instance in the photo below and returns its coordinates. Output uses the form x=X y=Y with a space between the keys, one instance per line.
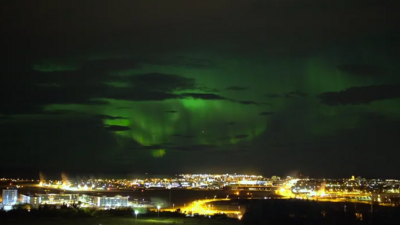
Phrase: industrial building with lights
x=10 y=196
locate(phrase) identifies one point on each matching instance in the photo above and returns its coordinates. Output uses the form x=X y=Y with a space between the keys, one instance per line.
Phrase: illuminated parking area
x=205 y=207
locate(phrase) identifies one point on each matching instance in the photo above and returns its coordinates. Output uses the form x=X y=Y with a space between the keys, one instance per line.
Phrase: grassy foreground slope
x=119 y=221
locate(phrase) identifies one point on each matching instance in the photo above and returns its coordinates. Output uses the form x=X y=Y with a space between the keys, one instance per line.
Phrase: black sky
x=263 y=86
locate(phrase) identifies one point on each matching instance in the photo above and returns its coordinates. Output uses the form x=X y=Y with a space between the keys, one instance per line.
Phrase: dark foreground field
x=119 y=221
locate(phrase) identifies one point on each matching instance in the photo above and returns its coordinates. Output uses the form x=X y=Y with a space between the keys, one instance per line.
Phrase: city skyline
x=63 y=177
x=259 y=86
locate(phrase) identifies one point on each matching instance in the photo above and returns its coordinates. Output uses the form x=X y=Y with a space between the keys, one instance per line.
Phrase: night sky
x=261 y=86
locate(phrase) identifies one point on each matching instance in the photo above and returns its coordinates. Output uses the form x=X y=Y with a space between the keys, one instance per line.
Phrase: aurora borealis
x=261 y=86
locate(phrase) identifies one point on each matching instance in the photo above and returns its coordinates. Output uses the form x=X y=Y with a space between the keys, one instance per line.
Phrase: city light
x=231 y=186
x=136 y=214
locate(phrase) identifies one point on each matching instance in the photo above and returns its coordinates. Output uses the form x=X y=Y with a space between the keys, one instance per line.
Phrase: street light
x=136 y=213
x=158 y=211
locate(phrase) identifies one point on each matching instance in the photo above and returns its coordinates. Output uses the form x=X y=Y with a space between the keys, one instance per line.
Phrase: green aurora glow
x=251 y=86
x=151 y=125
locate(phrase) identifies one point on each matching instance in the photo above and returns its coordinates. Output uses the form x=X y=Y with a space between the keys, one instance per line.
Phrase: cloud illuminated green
x=205 y=120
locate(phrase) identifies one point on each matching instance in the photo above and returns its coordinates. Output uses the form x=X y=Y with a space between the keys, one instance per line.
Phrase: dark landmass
x=293 y=211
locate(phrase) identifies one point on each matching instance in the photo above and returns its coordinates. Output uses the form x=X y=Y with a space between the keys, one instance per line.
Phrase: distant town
x=198 y=192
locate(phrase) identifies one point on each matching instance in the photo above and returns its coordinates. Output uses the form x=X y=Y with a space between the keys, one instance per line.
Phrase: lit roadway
x=202 y=207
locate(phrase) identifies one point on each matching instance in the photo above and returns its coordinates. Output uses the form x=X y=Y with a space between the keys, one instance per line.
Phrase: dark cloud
x=237 y=137
x=168 y=144
x=296 y=93
x=151 y=147
x=107 y=117
x=273 y=95
x=266 y=113
x=81 y=86
x=207 y=89
x=162 y=82
x=248 y=102
x=362 y=70
x=360 y=95
x=184 y=136
x=137 y=94
x=147 y=147
x=204 y=96
x=195 y=148
x=240 y=136
x=116 y=128
x=60 y=112
x=171 y=111
x=230 y=123
x=76 y=87
x=236 y=88
x=288 y=96
x=159 y=86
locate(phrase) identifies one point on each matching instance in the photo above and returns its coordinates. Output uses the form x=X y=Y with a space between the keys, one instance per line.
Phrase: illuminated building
x=87 y=199
x=32 y=200
x=10 y=196
x=58 y=198
x=111 y=202
x=143 y=204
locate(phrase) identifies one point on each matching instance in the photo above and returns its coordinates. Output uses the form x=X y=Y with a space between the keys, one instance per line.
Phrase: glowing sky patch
x=159 y=153
x=204 y=120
